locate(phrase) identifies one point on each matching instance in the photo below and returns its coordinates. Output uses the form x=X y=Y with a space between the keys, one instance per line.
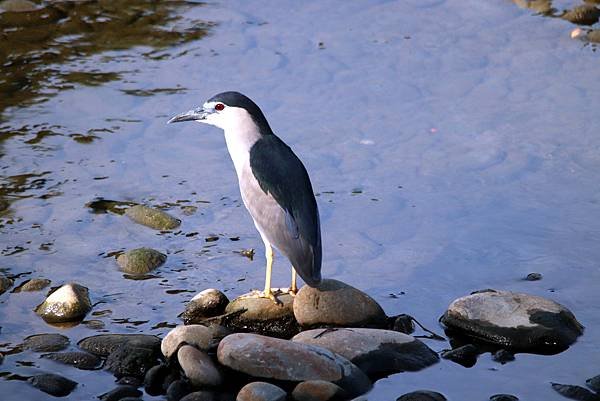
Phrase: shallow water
x=454 y=147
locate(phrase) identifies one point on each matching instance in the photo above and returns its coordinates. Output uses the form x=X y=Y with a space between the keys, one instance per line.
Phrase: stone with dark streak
x=516 y=321
x=376 y=352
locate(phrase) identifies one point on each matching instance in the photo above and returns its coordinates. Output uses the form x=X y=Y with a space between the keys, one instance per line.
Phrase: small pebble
x=261 y=391
x=534 y=277
x=208 y=303
x=140 y=260
x=465 y=355
x=503 y=356
x=318 y=390
x=404 y=324
x=153 y=218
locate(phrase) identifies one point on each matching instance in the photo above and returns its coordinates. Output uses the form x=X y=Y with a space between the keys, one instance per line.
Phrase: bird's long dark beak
x=192 y=115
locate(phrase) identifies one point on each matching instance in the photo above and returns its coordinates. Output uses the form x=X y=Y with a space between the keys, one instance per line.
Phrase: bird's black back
x=280 y=173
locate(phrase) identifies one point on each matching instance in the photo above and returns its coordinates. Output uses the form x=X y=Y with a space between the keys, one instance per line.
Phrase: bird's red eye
x=219 y=106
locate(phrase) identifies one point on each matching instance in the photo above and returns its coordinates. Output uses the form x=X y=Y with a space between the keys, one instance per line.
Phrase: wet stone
x=208 y=303
x=103 y=344
x=334 y=303
x=80 y=360
x=273 y=358
x=153 y=218
x=177 y=390
x=52 y=384
x=503 y=356
x=201 y=337
x=261 y=391
x=120 y=392
x=130 y=381
x=376 y=352
x=46 y=342
x=318 y=390
x=198 y=367
x=594 y=383
x=263 y=316
x=503 y=397
x=517 y=321
x=534 y=277
x=422 y=395
x=5 y=283
x=140 y=260
x=404 y=324
x=574 y=392
x=585 y=14
x=17 y=6
x=71 y=302
x=154 y=379
x=201 y=396
x=131 y=360
x=465 y=355
x=35 y=284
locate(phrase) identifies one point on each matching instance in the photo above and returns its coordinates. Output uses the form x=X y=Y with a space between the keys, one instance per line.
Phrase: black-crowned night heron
x=273 y=182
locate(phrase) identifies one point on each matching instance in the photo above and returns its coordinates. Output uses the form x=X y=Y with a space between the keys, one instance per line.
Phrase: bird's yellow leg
x=268 y=293
x=293 y=287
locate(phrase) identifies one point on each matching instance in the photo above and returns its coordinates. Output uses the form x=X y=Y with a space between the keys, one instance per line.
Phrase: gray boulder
x=198 y=367
x=376 y=352
x=153 y=218
x=71 y=302
x=261 y=391
x=520 y=322
x=334 y=303
x=205 y=304
x=273 y=358
x=201 y=337
x=140 y=260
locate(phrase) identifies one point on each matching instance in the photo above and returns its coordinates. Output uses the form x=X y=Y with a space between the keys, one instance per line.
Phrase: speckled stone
x=153 y=218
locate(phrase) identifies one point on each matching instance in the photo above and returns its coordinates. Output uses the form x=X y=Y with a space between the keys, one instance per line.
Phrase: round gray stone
x=517 y=321
x=71 y=302
x=199 y=367
x=153 y=218
x=201 y=337
x=46 y=342
x=273 y=358
x=334 y=303
x=318 y=390
x=140 y=260
x=374 y=351
x=261 y=391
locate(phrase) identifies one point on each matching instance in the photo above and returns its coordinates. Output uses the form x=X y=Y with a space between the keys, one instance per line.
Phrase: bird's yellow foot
x=269 y=294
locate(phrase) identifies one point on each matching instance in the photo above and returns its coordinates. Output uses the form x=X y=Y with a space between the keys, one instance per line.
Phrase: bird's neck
x=239 y=142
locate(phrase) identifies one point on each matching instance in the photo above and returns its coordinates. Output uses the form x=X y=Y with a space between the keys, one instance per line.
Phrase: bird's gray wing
x=281 y=174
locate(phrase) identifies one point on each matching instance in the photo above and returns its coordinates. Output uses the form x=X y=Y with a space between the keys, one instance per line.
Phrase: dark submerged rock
x=140 y=260
x=261 y=391
x=80 y=360
x=516 y=321
x=334 y=303
x=263 y=316
x=131 y=360
x=376 y=352
x=575 y=392
x=52 y=384
x=503 y=397
x=273 y=358
x=404 y=324
x=422 y=395
x=103 y=344
x=120 y=392
x=465 y=355
x=177 y=390
x=318 y=390
x=208 y=303
x=46 y=342
x=154 y=379
x=201 y=396
x=594 y=383
x=153 y=218
x=71 y=302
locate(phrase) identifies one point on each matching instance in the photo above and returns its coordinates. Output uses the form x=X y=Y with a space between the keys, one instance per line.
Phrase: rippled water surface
x=454 y=146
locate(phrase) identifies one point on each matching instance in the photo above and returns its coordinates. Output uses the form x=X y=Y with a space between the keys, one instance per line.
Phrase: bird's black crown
x=236 y=99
